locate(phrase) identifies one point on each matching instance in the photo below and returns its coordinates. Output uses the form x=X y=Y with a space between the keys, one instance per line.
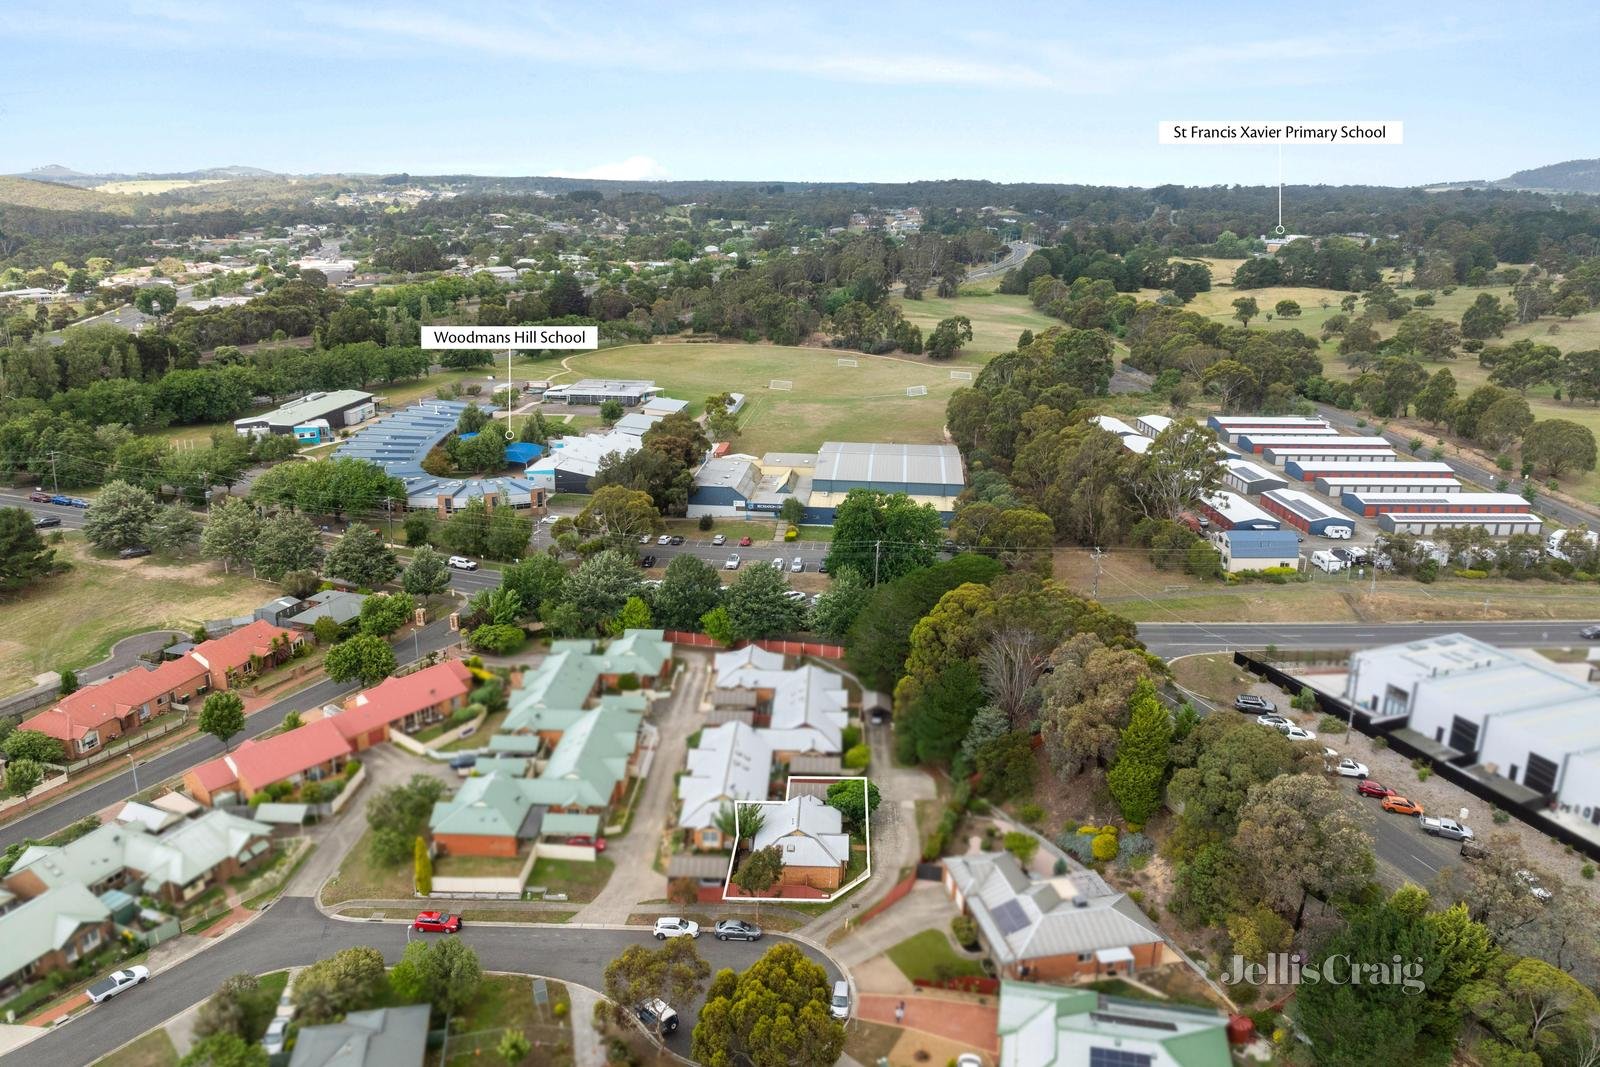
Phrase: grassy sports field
x=997 y=319
x=867 y=402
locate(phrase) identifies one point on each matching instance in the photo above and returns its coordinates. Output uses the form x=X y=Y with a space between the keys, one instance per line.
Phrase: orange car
x=1400 y=805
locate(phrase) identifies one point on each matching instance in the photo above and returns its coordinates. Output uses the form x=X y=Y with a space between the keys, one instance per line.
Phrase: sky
x=880 y=91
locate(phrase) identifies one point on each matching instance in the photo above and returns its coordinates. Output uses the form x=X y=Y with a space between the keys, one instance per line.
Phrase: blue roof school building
x=738 y=485
x=399 y=442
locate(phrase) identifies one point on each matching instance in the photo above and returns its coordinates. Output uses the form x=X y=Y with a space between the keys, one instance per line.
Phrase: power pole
x=877 y=547
x=1096 y=555
x=55 y=483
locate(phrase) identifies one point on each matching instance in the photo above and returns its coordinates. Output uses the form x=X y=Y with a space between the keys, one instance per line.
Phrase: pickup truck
x=1447 y=828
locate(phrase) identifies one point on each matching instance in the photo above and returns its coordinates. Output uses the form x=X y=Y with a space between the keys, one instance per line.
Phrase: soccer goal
x=844 y=362
x=782 y=385
x=916 y=390
x=961 y=376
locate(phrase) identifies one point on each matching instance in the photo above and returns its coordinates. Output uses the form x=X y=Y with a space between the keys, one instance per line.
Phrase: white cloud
x=632 y=169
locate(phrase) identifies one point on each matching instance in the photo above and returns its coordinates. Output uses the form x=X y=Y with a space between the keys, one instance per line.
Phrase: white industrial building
x=1424 y=523
x=572 y=461
x=1339 y=484
x=1518 y=717
x=1230 y=511
x=1248 y=478
x=1152 y=425
x=1284 y=454
x=1114 y=425
x=313 y=417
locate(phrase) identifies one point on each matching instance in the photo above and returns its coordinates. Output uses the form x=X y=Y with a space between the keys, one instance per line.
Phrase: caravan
x=1325 y=560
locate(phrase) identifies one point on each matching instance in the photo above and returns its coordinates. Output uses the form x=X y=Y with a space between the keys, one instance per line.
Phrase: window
x=91 y=939
x=1085 y=957
x=1116 y=1057
x=89 y=740
x=712 y=838
x=1394 y=701
x=1541 y=774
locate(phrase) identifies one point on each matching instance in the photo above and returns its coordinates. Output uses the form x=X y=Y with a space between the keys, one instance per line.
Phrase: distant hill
x=54 y=196
x=61 y=175
x=1573 y=176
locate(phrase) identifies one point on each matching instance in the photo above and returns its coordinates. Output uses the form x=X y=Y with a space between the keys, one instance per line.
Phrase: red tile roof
x=395 y=698
x=95 y=705
x=260 y=763
x=235 y=649
x=216 y=774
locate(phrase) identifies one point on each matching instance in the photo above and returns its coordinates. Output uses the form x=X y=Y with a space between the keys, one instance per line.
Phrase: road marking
x=1425 y=863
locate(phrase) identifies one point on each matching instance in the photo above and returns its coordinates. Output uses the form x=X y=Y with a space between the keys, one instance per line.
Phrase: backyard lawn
x=826 y=402
x=930 y=956
x=580 y=881
x=73 y=619
x=361 y=877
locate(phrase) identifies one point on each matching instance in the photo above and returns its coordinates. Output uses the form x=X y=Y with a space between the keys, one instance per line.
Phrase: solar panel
x=1010 y=917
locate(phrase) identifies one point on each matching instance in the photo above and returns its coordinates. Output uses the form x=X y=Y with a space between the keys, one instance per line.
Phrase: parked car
x=45 y=521
x=1399 y=805
x=1590 y=633
x=645 y=539
x=1368 y=788
x=797 y=565
x=1251 y=702
x=463 y=765
x=778 y=563
x=549 y=520
x=77 y=502
x=1446 y=828
x=133 y=552
x=437 y=922
x=1273 y=720
x=1296 y=733
x=599 y=843
x=839 y=1005
x=737 y=930
x=969 y=1059
x=822 y=568
x=647 y=562
x=664 y=539
x=62 y=499
x=115 y=982
x=277 y=1035
x=1349 y=768
x=744 y=542
x=795 y=594
x=720 y=539
x=1531 y=880
x=675 y=539
x=731 y=563
x=669 y=926
x=462 y=563
x=39 y=496
x=657 y=1013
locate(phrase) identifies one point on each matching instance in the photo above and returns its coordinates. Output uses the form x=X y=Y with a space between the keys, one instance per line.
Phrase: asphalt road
x=174 y=761
x=71 y=517
x=1470 y=471
x=1180 y=639
x=1020 y=251
x=293 y=933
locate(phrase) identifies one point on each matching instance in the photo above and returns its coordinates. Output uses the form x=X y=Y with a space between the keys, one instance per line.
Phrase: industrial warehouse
x=737 y=484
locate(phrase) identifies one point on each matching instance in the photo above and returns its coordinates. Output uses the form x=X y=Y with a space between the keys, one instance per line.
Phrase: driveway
x=293 y=933
x=634 y=878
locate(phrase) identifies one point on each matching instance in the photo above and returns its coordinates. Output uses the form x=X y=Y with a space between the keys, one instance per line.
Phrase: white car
x=116 y=982
x=778 y=563
x=1349 y=768
x=794 y=595
x=549 y=520
x=277 y=1035
x=462 y=563
x=645 y=539
x=1295 y=733
x=664 y=539
x=1270 y=719
x=797 y=565
x=731 y=563
x=720 y=539
x=673 y=927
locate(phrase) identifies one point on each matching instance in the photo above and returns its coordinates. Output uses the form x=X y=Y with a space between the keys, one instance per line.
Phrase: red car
x=744 y=542
x=599 y=843
x=1369 y=788
x=437 y=922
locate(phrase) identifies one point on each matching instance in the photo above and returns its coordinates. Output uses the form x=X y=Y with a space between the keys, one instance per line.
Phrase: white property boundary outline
x=727 y=882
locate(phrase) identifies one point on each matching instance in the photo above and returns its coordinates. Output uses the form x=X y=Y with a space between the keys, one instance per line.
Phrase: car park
x=114 y=983
x=671 y=926
x=1251 y=702
x=133 y=552
x=797 y=565
x=437 y=922
x=720 y=539
x=737 y=930
x=277 y=1036
x=731 y=563
x=45 y=521
x=656 y=1014
x=1368 y=788
x=1349 y=768
x=1399 y=805
x=462 y=563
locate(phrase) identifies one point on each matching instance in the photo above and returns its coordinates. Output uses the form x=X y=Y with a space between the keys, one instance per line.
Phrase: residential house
x=645 y=656
x=383 y=1037
x=810 y=835
x=732 y=764
x=407 y=703
x=589 y=768
x=1052 y=1026
x=340 y=605
x=232 y=659
x=311 y=752
x=1060 y=928
x=50 y=932
x=92 y=717
x=499 y=815
x=798 y=713
x=175 y=866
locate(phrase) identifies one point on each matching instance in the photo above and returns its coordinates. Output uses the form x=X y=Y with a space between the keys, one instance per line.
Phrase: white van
x=1324 y=560
x=839 y=1006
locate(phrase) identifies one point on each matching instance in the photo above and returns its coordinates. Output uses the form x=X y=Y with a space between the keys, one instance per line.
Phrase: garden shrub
x=1105 y=847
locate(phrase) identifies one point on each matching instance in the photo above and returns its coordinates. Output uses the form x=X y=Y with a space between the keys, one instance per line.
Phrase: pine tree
x=1142 y=755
